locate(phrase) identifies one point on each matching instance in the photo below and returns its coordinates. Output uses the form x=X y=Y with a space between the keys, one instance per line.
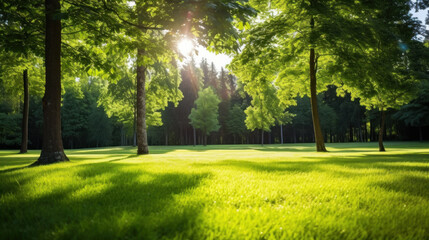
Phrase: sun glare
x=185 y=46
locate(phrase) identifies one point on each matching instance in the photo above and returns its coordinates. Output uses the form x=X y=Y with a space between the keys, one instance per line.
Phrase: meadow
x=219 y=192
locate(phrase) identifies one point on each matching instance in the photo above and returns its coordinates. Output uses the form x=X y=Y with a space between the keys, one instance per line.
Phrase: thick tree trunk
x=381 y=132
x=281 y=134
x=52 y=146
x=142 y=145
x=25 y=110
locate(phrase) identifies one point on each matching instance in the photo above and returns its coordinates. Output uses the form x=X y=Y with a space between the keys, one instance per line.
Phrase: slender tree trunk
x=420 y=134
x=135 y=128
x=166 y=136
x=262 y=137
x=205 y=139
x=142 y=145
x=294 y=135
x=320 y=144
x=195 y=136
x=351 y=133
x=52 y=146
x=281 y=134
x=381 y=132
x=25 y=110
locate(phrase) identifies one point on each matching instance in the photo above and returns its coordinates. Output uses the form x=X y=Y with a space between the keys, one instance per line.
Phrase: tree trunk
x=318 y=136
x=281 y=134
x=135 y=129
x=52 y=146
x=380 y=133
x=294 y=135
x=195 y=136
x=166 y=136
x=262 y=137
x=142 y=146
x=351 y=133
x=420 y=134
x=25 y=110
x=205 y=139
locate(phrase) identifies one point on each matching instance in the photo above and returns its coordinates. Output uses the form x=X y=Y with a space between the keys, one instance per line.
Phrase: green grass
x=219 y=192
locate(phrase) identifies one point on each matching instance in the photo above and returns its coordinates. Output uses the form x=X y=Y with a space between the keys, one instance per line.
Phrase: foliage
x=205 y=115
x=416 y=113
x=235 y=122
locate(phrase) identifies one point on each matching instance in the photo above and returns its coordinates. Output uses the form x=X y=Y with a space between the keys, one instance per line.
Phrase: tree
x=388 y=81
x=205 y=115
x=73 y=114
x=266 y=109
x=416 y=113
x=296 y=42
x=19 y=41
x=52 y=148
x=235 y=123
x=151 y=26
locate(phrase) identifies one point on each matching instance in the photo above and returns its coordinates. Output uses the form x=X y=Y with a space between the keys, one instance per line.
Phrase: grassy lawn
x=219 y=192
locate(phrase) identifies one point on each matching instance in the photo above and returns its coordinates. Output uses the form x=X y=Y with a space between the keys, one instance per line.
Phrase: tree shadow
x=410 y=185
x=119 y=202
x=384 y=162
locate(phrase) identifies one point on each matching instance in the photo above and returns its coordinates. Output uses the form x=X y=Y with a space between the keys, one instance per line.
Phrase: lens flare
x=185 y=46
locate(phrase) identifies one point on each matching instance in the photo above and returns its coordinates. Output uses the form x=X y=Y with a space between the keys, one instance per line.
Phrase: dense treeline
x=90 y=74
x=86 y=123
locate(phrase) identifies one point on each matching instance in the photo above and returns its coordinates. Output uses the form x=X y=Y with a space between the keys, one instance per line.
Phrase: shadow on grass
x=385 y=162
x=410 y=185
x=105 y=201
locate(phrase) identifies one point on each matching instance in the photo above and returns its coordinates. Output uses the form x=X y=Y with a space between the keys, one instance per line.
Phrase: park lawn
x=219 y=192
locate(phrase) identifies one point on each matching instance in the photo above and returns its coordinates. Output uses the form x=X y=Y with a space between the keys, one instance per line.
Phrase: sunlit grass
x=219 y=192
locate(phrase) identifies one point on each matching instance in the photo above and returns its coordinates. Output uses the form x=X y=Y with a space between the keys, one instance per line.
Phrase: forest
x=100 y=72
x=214 y=119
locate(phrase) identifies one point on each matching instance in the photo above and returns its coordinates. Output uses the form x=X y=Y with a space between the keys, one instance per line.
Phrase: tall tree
x=205 y=115
x=159 y=21
x=52 y=148
x=235 y=122
x=19 y=39
x=298 y=41
x=388 y=81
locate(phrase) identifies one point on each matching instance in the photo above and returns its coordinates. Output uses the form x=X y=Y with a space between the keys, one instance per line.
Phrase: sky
x=221 y=60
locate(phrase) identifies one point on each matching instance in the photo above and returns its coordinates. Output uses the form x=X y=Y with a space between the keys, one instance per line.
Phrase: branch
x=143 y=28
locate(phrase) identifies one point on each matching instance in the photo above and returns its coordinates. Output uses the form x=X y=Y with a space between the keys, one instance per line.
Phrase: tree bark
x=420 y=134
x=262 y=137
x=195 y=136
x=135 y=129
x=142 y=145
x=281 y=134
x=318 y=136
x=205 y=139
x=52 y=146
x=25 y=111
x=166 y=136
x=380 y=133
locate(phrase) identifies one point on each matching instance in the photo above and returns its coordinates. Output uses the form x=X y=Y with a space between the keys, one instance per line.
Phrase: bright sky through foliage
x=185 y=46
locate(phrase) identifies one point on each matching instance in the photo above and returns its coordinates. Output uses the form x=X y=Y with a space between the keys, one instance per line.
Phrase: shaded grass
x=219 y=192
